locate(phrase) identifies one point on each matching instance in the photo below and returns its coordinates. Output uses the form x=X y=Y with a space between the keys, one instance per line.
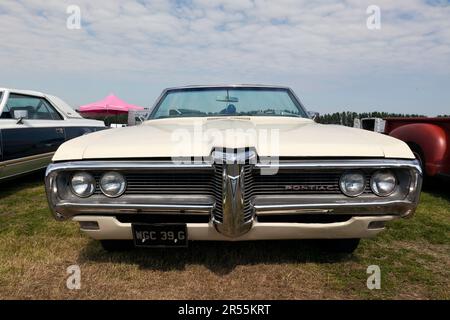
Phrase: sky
x=323 y=50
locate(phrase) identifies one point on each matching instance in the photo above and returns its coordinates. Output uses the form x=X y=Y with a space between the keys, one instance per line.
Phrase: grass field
x=35 y=251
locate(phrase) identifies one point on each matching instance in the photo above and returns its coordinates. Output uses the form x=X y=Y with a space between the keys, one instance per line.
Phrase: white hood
x=270 y=136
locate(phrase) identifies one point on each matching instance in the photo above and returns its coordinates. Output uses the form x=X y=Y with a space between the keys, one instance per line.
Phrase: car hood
x=270 y=136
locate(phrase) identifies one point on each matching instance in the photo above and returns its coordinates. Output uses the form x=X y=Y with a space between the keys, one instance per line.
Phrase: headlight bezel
x=348 y=172
x=122 y=188
x=92 y=184
x=375 y=189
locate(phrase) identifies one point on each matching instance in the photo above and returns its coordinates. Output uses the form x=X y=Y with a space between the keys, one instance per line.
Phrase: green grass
x=35 y=250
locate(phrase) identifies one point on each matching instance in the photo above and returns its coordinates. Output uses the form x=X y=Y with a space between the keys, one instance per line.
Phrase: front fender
x=432 y=140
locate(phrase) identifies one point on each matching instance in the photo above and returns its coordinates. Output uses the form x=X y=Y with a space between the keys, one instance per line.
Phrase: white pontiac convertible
x=232 y=163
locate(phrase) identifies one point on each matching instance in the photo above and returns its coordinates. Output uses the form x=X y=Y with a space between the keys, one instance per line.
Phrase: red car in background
x=428 y=138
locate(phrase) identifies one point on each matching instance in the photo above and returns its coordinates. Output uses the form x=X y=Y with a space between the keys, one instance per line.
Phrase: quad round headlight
x=352 y=183
x=383 y=182
x=112 y=184
x=82 y=184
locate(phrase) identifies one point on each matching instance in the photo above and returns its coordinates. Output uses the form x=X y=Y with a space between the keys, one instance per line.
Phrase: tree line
x=346 y=118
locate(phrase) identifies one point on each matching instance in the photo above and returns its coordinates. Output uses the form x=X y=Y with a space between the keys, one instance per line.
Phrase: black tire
x=341 y=245
x=116 y=245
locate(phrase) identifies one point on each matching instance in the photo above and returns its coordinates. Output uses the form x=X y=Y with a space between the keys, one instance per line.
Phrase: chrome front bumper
x=364 y=208
x=402 y=208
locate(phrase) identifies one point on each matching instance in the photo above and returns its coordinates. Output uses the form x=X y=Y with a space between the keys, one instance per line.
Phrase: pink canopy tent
x=110 y=105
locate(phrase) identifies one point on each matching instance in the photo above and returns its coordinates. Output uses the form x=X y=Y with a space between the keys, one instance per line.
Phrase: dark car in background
x=32 y=126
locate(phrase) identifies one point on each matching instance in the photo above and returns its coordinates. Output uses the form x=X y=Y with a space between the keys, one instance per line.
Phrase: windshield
x=207 y=102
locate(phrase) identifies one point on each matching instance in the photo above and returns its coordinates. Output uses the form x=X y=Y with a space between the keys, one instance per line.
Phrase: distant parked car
x=428 y=138
x=32 y=126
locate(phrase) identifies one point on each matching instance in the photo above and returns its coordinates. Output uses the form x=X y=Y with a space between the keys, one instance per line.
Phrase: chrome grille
x=248 y=192
x=170 y=182
x=210 y=183
x=217 y=189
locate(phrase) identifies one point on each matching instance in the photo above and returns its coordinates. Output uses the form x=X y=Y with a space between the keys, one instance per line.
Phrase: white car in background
x=32 y=126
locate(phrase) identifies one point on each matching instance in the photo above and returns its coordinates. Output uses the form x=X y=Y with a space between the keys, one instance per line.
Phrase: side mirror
x=136 y=117
x=313 y=115
x=19 y=115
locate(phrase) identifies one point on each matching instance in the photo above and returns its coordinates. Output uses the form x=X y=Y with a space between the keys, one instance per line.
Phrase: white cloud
x=328 y=36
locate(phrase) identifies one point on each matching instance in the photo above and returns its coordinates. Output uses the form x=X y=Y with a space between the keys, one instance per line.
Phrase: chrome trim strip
x=270 y=164
x=16 y=167
x=133 y=208
x=339 y=164
x=395 y=207
x=232 y=85
x=25 y=159
x=291 y=211
x=124 y=165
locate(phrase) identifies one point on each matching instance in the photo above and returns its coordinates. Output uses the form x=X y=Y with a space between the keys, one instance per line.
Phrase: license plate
x=160 y=235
